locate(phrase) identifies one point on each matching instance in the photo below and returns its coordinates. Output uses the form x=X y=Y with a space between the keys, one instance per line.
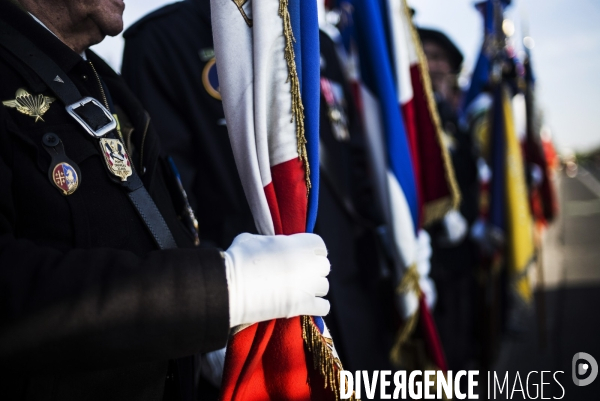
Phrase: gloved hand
x=408 y=302
x=424 y=268
x=455 y=227
x=271 y=277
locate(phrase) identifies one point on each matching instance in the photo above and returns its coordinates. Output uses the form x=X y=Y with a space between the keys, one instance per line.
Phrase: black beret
x=456 y=57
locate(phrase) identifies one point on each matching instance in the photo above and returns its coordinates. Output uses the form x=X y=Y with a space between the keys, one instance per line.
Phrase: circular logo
x=584 y=364
x=65 y=178
x=210 y=79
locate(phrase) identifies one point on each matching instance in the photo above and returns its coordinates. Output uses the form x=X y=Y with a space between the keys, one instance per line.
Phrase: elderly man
x=103 y=295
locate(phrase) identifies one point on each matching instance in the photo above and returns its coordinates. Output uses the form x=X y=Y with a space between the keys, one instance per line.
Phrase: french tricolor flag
x=394 y=160
x=437 y=191
x=268 y=63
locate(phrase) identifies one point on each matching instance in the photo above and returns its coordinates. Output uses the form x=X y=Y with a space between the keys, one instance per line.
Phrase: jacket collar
x=203 y=8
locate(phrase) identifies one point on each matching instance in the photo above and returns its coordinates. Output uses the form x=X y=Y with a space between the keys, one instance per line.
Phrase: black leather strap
x=147 y=210
x=21 y=47
x=66 y=91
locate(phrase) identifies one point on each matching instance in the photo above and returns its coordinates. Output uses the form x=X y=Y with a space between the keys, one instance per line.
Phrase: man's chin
x=113 y=30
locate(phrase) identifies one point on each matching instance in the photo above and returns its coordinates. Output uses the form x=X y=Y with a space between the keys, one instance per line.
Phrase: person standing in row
x=169 y=63
x=455 y=254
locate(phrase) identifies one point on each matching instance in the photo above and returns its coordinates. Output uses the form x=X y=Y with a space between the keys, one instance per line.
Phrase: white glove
x=408 y=302
x=273 y=277
x=424 y=267
x=456 y=228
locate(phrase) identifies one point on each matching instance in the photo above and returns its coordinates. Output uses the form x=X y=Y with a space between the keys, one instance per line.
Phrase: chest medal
x=116 y=158
x=334 y=97
x=65 y=178
x=63 y=172
x=30 y=105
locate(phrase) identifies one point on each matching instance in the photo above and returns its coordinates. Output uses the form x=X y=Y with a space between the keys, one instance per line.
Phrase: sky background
x=566 y=56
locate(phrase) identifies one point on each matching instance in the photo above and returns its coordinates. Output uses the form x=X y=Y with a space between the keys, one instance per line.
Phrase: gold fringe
x=437 y=209
x=439 y=212
x=323 y=359
x=297 y=106
x=409 y=283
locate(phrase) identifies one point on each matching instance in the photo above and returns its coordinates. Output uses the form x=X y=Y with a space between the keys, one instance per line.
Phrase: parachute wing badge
x=30 y=105
x=240 y=4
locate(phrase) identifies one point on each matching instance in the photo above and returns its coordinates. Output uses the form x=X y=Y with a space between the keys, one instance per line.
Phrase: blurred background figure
x=455 y=255
x=444 y=61
x=169 y=64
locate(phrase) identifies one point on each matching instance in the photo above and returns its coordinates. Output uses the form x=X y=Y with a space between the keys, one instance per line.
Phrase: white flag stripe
x=402 y=224
x=275 y=131
x=234 y=54
x=405 y=54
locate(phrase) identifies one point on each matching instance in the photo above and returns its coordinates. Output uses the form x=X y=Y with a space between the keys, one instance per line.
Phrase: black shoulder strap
x=52 y=75
x=66 y=91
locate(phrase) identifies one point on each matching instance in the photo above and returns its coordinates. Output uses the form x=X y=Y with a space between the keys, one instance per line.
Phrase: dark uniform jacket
x=89 y=308
x=169 y=64
x=453 y=267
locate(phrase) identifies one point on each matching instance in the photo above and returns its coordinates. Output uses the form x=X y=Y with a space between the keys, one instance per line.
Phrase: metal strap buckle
x=98 y=132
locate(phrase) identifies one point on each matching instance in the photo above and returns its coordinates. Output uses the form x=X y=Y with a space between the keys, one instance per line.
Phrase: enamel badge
x=30 y=105
x=65 y=178
x=116 y=158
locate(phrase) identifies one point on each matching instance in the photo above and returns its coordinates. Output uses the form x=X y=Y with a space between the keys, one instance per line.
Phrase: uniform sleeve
x=79 y=309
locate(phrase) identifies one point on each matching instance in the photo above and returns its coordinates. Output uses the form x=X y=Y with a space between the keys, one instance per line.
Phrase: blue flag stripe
x=376 y=72
x=310 y=65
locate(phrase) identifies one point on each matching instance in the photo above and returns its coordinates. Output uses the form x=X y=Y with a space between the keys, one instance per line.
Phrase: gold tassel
x=438 y=209
x=297 y=107
x=409 y=283
x=323 y=359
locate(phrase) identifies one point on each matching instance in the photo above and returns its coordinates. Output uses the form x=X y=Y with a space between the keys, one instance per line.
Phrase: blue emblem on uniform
x=210 y=79
x=65 y=178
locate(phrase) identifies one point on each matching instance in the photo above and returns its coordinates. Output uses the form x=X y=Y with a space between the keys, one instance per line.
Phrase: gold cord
x=437 y=209
x=297 y=107
x=323 y=359
x=409 y=283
